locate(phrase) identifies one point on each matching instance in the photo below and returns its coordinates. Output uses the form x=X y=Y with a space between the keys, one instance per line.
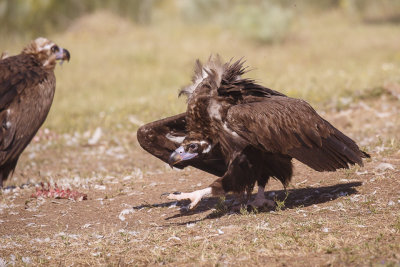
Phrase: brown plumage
x=27 y=85
x=245 y=133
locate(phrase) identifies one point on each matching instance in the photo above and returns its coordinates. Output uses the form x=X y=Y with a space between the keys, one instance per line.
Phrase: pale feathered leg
x=194 y=197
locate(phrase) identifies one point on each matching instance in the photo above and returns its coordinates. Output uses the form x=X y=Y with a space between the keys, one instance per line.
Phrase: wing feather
x=16 y=74
x=160 y=138
x=292 y=127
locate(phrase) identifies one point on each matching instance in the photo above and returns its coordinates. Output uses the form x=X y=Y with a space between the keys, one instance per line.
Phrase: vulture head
x=190 y=148
x=46 y=52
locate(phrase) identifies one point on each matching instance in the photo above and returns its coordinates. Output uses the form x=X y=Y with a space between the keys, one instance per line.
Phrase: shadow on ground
x=289 y=199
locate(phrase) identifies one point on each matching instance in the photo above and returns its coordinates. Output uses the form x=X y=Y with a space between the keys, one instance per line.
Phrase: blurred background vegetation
x=262 y=20
x=130 y=57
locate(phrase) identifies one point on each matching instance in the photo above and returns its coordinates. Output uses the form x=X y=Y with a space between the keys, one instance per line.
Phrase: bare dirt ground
x=350 y=217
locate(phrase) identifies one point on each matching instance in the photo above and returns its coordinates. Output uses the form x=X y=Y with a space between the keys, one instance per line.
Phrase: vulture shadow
x=288 y=199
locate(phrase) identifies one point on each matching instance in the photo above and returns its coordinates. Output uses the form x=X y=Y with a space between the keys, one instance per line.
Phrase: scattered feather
x=126 y=178
x=122 y=214
x=26 y=260
x=99 y=187
x=384 y=167
x=302 y=182
x=190 y=225
x=98 y=236
x=38 y=240
x=72 y=236
x=355 y=198
x=132 y=233
x=95 y=137
x=174 y=238
x=135 y=121
x=12 y=259
x=391 y=203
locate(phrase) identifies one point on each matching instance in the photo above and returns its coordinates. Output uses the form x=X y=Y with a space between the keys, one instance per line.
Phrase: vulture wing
x=291 y=126
x=162 y=137
x=16 y=74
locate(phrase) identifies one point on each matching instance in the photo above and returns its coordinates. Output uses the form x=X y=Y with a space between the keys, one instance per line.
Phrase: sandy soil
x=350 y=217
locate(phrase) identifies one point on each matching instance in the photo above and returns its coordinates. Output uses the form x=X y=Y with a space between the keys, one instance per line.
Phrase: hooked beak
x=63 y=54
x=180 y=155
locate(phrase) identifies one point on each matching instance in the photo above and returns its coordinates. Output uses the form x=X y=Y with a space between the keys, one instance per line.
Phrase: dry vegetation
x=121 y=75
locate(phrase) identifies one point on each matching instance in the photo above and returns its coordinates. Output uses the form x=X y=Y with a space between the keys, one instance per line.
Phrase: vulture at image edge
x=244 y=133
x=27 y=86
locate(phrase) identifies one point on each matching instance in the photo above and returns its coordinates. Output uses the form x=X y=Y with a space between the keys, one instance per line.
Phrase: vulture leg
x=241 y=198
x=217 y=188
x=260 y=200
x=194 y=197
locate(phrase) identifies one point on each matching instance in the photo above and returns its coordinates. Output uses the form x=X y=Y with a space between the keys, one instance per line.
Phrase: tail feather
x=336 y=152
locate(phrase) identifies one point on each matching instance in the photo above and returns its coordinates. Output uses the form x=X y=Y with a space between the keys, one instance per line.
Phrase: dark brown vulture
x=245 y=133
x=27 y=85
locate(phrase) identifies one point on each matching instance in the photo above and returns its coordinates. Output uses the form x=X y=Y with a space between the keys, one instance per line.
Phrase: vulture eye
x=55 y=49
x=193 y=146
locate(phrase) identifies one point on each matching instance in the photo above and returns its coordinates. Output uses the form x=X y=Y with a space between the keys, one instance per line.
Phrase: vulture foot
x=260 y=200
x=259 y=203
x=238 y=207
x=194 y=197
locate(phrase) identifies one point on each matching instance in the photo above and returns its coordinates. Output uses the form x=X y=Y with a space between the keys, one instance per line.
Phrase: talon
x=185 y=209
x=259 y=203
x=194 y=204
x=194 y=197
x=164 y=194
x=168 y=194
x=237 y=208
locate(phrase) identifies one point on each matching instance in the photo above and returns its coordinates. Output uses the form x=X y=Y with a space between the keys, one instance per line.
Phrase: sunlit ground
x=121 y=75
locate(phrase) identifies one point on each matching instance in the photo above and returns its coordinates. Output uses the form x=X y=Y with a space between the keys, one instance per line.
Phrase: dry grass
x=121 y=73
x=119 y=69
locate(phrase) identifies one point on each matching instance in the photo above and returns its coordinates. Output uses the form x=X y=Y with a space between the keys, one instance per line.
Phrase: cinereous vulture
x=244 y=133
x=27 y=85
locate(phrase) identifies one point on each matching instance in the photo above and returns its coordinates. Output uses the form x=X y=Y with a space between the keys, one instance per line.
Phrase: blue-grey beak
x=180 y=155
x=63 y=54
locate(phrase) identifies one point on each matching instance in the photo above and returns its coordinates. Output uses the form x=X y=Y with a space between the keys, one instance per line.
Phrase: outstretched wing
x=292 y=127
x=160 y=138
